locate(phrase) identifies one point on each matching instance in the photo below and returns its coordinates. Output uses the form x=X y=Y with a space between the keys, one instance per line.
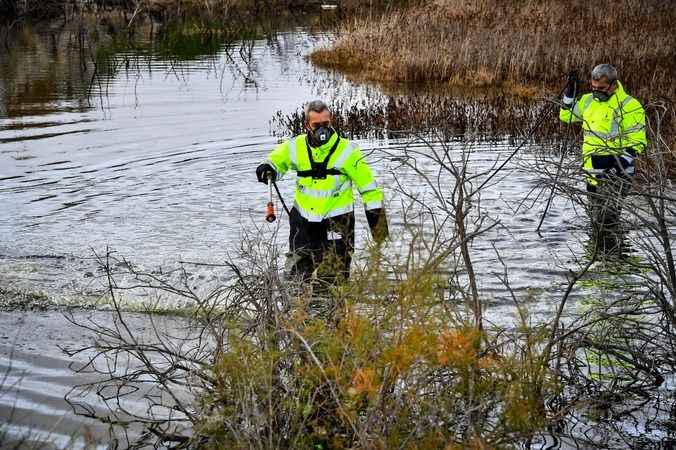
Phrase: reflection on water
x=42 y=72
x=145 y=160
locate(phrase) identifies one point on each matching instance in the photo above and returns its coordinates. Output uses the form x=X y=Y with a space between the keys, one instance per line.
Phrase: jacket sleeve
x=574 y=114
x=633 y=126
x=372 y=195
x=280 y=159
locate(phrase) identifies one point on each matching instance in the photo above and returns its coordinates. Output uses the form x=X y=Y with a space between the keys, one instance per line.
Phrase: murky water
x=156 y=161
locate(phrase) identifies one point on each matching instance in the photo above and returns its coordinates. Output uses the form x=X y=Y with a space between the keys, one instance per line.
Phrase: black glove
x=377 y=220
x=264 y=171
x=627 y=161
x=630 y=151
x=571 y=90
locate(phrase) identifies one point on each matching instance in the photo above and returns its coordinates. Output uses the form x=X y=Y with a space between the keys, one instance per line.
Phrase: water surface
x=156 y=161
x=154 y=158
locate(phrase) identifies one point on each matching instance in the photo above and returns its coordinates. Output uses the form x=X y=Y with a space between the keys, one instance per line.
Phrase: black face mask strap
x=310 y=137
x=610 y=86
x=606 y=92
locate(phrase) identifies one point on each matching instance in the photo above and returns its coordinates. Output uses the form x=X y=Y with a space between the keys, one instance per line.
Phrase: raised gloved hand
x=571 y=90
x=264 y=171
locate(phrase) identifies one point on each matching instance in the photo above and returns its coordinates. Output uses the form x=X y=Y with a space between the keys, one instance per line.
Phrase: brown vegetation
x=530 y=43
x=480 y=117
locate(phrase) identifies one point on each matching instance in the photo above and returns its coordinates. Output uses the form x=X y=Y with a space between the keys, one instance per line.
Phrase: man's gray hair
x=314 y=106
x=605 y=71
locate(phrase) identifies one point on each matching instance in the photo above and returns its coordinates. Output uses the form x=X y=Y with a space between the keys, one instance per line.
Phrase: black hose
x=279 y=194
x=558 y=172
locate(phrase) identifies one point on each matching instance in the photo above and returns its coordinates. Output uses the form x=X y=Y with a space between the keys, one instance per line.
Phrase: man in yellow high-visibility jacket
x=613 y=124
x=322 y=217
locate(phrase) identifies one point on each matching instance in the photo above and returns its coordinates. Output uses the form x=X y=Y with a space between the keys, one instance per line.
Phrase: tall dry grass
x=515 y=43
x=474 y=117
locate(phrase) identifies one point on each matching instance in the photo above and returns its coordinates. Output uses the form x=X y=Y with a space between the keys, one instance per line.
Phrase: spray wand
x=270 y=209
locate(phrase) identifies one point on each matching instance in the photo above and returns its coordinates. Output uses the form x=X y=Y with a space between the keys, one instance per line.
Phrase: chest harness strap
x=319 y=170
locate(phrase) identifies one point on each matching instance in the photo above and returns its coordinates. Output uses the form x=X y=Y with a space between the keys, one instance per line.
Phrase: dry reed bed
x=530 y=43
x=481 y=118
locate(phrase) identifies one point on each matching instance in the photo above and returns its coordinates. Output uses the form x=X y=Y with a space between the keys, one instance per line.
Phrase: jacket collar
x=620 y=94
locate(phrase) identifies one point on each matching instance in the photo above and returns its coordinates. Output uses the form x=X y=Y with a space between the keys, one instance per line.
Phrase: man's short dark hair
x=317 y=106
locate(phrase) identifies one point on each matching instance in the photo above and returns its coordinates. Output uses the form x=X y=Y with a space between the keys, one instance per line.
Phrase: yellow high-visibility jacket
x=608 y=126
x=323 y=195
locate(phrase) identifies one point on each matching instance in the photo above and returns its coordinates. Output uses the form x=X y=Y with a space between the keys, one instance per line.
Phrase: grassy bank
x=524 y=45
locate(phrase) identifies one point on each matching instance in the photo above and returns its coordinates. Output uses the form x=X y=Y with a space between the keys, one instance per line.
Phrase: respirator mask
x=320 y=135
x=602 y=95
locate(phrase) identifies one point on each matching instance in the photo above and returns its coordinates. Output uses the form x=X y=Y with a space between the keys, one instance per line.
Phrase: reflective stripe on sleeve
x=373 y=205
x=577 y=111
x=369 y=187
x=274 y=166
x=293 y=153
x=625 y=102
x=637 y=127
x=347 y=151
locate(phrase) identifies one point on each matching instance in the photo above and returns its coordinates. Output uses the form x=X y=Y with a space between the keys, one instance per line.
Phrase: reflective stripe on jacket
x=609 y=126
x=318 y=199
